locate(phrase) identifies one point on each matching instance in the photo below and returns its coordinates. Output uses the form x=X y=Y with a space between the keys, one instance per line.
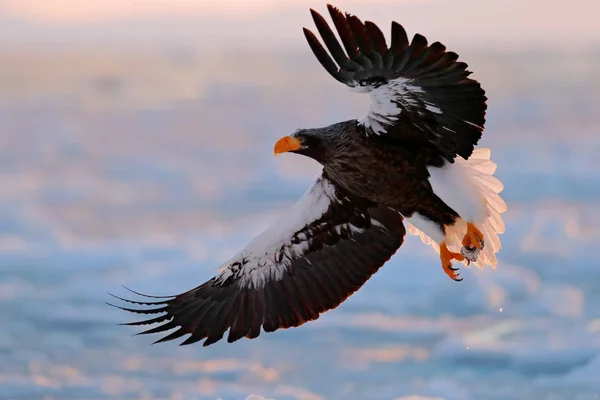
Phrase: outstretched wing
x=318 y=254
x=417 y=90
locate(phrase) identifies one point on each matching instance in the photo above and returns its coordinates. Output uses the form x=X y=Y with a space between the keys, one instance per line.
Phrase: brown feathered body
x=388 y=171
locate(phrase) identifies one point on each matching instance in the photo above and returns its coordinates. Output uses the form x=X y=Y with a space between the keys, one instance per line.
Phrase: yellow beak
x=286 y=144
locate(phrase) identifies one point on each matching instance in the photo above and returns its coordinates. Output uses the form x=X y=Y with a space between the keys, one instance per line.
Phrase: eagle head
x=319 y=144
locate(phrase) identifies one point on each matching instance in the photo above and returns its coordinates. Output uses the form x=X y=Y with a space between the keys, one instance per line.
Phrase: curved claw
x=458 y=279
x=446 y=257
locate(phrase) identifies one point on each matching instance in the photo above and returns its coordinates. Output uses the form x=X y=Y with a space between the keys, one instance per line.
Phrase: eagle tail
x=477 y=175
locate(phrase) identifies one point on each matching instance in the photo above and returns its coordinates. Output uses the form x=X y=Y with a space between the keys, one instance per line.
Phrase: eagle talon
x=452 y=274
x=472 y=243
x=446 y=256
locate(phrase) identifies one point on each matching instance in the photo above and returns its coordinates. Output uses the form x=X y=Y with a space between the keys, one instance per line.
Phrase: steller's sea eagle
x=410 y=157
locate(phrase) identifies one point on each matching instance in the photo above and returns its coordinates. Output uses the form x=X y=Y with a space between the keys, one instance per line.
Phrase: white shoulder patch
x=387 y=102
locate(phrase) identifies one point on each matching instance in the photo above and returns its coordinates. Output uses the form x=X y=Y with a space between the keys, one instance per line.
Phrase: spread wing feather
x=321 y=252
x=417 y=90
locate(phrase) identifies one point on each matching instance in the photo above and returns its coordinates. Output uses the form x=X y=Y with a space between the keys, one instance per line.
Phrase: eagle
x=411 y=158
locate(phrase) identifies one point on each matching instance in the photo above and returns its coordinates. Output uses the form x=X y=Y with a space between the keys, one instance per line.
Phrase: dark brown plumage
x=389 y=171
x=336 y=263
x=394 y=163
x=441 y=80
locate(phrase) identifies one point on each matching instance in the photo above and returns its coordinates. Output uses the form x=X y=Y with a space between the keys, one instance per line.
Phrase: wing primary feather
x=417 y=52
x=399 y=39
x=161 y=328
x=434 y=52
x=333 y=45
x=438 y=67
x=272 y=311
x=377 y=38
x=202 y=322
x=209 y=324
x=429 y=59
x=219 y=325
x=418 y=43
x=451 y=75
x=296 y=307
x=187 y=314
x=149 y=321
x=250 y=312
x=344 y=31
x=337 y=274
x=246 y=313
x=286 y=317
x=191 y=340
x=258 y=315
x=326 y=274
x=309 y=303
x=140 y=311
x=319 y=286
x=312 y=293
x=199 y=324
x=177 y=334
x=241 y=325
x=143 y=303
x=146 y=295
x=360 y=34
x=321 y=54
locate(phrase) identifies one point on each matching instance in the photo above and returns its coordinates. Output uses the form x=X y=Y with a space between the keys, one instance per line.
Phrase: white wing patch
x=258 y=262
x=470 y=188
x=270 y=254
x=432 y=108
x=387 y=102
x=426 y=227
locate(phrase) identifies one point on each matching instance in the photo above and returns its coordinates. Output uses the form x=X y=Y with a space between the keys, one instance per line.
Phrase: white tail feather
x=479 y=171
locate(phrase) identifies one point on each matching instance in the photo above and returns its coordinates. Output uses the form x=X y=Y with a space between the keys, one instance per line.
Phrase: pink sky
x=278 y=22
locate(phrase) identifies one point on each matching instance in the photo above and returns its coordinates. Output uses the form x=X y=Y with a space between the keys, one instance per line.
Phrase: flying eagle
x=410 y=157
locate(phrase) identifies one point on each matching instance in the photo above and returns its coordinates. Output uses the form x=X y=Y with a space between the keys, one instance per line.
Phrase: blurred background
x=136 y=149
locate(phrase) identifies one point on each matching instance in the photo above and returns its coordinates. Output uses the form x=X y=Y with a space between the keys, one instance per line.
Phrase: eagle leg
x=472 y=243
x=447 y=256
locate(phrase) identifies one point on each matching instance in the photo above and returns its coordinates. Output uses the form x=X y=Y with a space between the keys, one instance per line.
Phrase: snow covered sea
x=149 y=168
